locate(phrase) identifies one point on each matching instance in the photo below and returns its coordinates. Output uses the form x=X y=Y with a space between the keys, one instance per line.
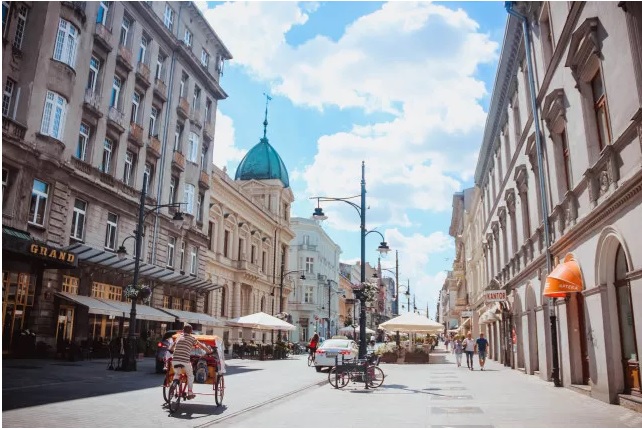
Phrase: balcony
x=154 y=147
x=82 y=166
x=183 y=107
x=116 y=119
x=178 y=161
x=195 y=118
x=307 y=247
x=108 y=179
x=92 y=103
x=136 y=134
x=142 y=74
x=12 y=129
x=204 y=180
x=208 y=131
x=103 y=36
x=160 y=90
x=124 y=58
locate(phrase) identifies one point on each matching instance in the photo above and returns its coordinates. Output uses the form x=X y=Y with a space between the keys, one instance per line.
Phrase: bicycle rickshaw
x=208 y=369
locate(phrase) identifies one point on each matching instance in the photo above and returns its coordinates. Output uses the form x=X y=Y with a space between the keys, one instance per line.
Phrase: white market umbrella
x=412 y=322
x=348 y=330
x=261 y=321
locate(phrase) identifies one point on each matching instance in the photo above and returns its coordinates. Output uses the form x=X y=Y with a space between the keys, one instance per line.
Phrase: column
x=236 y=301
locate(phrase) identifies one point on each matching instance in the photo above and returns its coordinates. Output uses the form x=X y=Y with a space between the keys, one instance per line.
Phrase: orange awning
x=565 y=278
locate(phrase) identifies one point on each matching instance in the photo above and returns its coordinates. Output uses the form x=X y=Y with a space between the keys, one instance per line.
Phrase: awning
x=143 y=312
x=565 y=278
x=150 y=272
x=95 y=306
x=21 y=243
x=194 y=317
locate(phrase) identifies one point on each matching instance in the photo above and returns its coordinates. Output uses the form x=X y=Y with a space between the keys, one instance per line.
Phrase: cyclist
x=314 y=343
x=182 y=350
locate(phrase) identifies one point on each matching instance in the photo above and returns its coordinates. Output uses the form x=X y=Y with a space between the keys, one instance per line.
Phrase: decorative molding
x=584 y=51
x=554 y=111
x=595 y=290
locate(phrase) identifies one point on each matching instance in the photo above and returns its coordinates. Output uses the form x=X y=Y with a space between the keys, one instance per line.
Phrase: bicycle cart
x=207 y=371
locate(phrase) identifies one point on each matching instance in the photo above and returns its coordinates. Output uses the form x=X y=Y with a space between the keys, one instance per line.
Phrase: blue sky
x=404 y=86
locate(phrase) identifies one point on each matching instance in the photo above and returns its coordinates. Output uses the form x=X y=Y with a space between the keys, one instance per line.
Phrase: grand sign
x=495 y=296
x=52 y=253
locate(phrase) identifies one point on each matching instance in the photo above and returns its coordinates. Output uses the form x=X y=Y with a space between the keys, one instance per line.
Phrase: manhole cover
x=26 y=367
x=439 y=410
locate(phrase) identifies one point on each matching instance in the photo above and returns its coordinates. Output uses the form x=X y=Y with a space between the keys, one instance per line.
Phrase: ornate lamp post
x=129 y=362
x=283 y=275
x=383 y=248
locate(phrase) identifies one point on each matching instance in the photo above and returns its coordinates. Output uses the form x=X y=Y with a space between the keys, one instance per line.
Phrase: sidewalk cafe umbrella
x=412 y=322
x=261 y=321
x=349 y=330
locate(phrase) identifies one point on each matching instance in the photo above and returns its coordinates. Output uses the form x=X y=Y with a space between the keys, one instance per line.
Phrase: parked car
x=333 y=348
x=163 y=346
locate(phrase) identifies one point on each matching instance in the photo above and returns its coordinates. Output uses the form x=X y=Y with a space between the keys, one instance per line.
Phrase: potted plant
x=389 y=353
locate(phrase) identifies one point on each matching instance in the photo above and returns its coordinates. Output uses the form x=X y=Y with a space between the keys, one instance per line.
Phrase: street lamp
x=383 y=248
x=129 y=361
x=283 y=275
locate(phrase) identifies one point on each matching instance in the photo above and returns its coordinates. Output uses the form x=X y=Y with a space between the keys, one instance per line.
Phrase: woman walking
x=458 y=349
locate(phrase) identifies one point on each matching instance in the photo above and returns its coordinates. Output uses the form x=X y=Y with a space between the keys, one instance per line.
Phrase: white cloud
x=225 y=154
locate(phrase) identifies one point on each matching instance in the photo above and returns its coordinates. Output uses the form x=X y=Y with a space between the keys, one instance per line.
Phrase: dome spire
x=265 y=122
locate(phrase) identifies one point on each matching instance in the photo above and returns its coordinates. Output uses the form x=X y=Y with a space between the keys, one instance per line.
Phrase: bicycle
x=365 y=371
x=177 y=390
x=311 y=358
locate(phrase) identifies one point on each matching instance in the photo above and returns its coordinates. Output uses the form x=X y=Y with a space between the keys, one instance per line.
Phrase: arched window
x=263 y=304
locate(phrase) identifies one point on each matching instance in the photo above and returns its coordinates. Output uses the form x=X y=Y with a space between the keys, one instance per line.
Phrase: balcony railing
x=183 y=107
x=178 y=161
x=92 y=102
x=154 y=147
x=160 y=89
x=136 y=134
x=116 y=118
x=195 y=118
x=204 y=180
x=12 y=128
x=208 y=130
x=142 y=73
x=125 y=57
x=103 y=35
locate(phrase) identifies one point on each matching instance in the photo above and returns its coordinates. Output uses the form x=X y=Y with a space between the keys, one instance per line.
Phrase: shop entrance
x=18 y=291
x=65 y=325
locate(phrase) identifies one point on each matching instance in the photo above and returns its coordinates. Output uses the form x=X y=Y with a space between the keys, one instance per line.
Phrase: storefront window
x=70 y=284
x=176 y=303
x=106 y=291
x=18 y=291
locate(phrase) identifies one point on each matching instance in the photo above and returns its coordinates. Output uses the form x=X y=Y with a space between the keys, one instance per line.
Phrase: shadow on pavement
x=192 y=411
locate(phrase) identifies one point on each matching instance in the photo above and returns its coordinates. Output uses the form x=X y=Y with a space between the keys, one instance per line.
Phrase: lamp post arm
x=358 y=208
x=168 y=205
x=378 y=232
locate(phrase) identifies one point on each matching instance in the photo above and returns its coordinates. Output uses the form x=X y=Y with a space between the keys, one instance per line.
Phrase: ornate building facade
x=100 y=97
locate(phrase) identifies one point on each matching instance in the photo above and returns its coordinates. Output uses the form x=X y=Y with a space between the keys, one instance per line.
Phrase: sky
x=403 y=86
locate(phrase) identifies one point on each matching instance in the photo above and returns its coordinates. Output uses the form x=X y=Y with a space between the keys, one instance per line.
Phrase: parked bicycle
x=365 y=371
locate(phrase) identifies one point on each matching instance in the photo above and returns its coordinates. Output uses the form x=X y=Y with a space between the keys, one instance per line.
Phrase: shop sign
x=466 y=314
x=52 y=253
x=495 y=296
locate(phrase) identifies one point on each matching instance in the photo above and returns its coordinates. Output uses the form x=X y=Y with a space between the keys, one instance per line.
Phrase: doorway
x=630 y=360
x=18 y=291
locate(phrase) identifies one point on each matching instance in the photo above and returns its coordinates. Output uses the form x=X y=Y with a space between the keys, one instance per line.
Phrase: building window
x=517 y=123
x=7 y=96
x=39 y=197
x=182 y=256
x=6 y=6
x=83 y=141
x=205 y=58
x=168 y=18
x=210 y=232
x=309 y=264
x=173 y=186
x=129 y=167
x=171 y=246
x=54 y=115
x=153 y=116
x=204 y=158
x=124 y=31
x=142 y=52
x=193 y=266
x=103 y=10
x=94 y=69
x=263 y=261
x=189 y=198
x=226 y=244
x=111 y=231
x=188 y=38
x=223 y=301
x=20 y=26
x=177 y=303
x=253 y=254
x=309 y=295
x=136 y=99
x=197 y=98
x=192 y=150
x=566 y=157
x=199 y=207
x=160 y=62
x=5 y=186
x=65 y=47
x=108 y=150
x=78 y=220
x=149 y=175
x=114 y=101
x=177 y=138
x=70 y=284
x=601 y=112
x=208 y=110
x=183 y=86
x=546 y=33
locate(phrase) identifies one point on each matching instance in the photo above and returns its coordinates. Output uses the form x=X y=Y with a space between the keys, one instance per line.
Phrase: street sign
x=466 y=314
x=495 y=296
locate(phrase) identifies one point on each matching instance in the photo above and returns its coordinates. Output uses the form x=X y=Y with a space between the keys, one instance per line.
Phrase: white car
x=333 y=349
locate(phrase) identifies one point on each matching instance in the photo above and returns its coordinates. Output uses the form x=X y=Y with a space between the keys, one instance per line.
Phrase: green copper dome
x=262 y=162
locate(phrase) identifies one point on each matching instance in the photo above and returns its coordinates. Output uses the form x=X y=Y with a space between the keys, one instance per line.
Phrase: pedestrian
x=469 y=348
x=458 y=349
x=482 y=346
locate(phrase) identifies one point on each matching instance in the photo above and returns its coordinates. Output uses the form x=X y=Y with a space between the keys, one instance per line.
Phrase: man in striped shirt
x=182 y=350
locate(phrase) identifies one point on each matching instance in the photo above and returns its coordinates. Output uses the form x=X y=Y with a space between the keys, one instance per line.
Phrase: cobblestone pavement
x=442 y=395
x=46 y=393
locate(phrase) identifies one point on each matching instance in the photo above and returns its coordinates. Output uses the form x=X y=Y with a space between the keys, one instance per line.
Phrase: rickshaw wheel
x=219 y=390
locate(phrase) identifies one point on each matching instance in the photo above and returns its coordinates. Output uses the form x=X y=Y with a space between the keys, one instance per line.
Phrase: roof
x=262 y=162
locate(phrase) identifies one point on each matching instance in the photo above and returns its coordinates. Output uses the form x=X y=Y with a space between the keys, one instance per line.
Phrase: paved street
x=287 y=393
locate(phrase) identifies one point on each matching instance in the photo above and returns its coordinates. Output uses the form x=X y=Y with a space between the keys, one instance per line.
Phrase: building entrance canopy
x=194 y=318
x=150 y=272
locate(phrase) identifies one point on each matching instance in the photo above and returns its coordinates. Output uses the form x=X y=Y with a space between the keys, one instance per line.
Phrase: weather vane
x=265 y=123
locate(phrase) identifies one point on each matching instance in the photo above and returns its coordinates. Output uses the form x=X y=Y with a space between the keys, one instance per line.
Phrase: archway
x=577 y=335
x=626 y=324
x=516 y=329
x=531 y=304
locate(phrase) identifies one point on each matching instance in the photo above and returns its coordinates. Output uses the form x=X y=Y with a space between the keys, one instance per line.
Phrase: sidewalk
x=443 y=395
